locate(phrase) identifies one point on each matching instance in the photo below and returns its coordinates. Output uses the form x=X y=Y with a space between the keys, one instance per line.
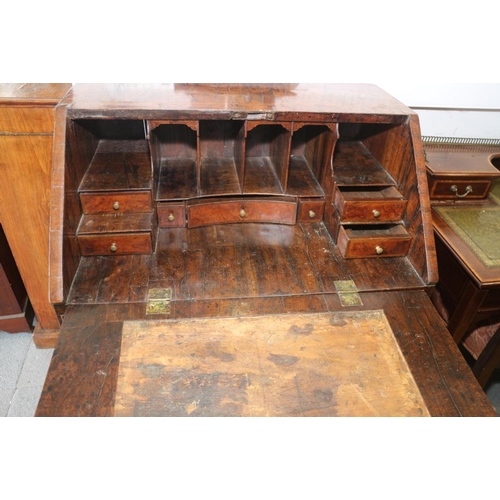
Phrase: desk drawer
x=223 y=211
x=115 y=244
x=372 y=241
x=456 y=189
x=311 y=210
x=118 y=202
x=376 y=204
x=171 y=214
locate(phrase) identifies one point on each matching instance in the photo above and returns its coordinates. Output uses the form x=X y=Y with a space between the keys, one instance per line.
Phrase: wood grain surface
x=334 y=364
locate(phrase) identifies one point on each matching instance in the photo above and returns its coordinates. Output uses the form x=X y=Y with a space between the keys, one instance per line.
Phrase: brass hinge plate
x=348 y=293
x=159 y=301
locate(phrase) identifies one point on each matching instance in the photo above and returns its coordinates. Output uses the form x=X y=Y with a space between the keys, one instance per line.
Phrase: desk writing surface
x=333 y=364
x=472 y=231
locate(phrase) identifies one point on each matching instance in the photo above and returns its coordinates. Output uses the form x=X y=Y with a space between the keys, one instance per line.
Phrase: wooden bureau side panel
x=24 y=210
x=399 y=150
x=20 y=120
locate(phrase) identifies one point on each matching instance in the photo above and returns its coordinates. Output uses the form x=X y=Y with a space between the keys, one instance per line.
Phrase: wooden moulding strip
x=56 y=282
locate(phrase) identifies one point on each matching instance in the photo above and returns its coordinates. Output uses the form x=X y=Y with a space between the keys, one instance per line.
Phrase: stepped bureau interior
x=175 y=202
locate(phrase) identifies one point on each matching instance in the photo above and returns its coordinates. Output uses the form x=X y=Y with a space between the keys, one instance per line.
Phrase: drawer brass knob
x=376 y=214
x=243 y=214
x=379 y=250
x=171 y=217
x=116 y=206
x=113 y=248
x=454 y=189
x=312 y=214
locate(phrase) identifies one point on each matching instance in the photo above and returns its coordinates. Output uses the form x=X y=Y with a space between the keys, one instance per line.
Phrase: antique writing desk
x=467 y=227
x=245 y=250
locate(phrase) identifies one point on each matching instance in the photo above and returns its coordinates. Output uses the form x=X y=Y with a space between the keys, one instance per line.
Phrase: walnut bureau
x=182 y=202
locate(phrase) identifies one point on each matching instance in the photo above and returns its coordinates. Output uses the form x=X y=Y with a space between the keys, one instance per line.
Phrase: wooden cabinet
x=180 y=201
x=26 y=143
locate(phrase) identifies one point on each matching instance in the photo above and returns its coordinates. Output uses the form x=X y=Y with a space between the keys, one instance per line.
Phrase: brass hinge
x=348 y=293
x=159 y=301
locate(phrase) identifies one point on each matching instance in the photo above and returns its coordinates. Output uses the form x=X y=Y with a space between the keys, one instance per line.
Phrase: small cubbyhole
x=221 y=157
x=266 y=158
x=311 y=151
x=174 y=152
x=113 y=155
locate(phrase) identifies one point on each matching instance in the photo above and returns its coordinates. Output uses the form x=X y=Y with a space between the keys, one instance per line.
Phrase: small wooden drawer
x=373 y=241
x=369 y=204
x=457 y=189
x=171 y=214
x=310 y=210
x=115 y=234
x=115 y=244
x=118 y=202
x=224 y=211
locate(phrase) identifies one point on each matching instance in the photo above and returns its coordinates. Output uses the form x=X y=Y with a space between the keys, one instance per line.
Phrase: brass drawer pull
x=113 y=248
x=376 y=214
x=379 y=250
x=312 y=214
x=116 y=206
x=454 y=189
x=171 y=218
x=243 y=214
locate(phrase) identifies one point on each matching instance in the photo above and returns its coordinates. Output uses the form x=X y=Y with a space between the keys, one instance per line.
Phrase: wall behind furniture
x=468 y=110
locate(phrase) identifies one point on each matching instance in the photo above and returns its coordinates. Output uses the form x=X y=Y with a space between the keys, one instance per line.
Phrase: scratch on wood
x=375 y=412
